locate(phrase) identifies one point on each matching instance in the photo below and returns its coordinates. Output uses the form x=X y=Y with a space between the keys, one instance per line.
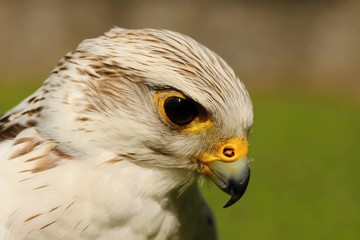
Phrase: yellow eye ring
x=181 y=112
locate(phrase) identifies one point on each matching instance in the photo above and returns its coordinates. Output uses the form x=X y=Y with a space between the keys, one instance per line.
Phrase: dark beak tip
x=232 y=200
x=236 y=190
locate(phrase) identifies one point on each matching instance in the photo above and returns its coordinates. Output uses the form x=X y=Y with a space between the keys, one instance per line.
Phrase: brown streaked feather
x=10 y=132
x=40 y=187
x=32 y=217
x=68 y=206
x=50 y=160
x=28 y=147
x=22 y=140
x=53 y=209
x=47 y=225
x=45 y=164
x=112 y=161
x=60 y=154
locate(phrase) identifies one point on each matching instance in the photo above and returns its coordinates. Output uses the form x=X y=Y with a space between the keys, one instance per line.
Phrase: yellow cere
x=228 y=151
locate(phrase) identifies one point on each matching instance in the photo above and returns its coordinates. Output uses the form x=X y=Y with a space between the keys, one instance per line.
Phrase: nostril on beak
x=229 y=152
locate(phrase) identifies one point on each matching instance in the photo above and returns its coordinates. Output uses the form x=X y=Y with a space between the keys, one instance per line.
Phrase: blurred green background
x=300 y=63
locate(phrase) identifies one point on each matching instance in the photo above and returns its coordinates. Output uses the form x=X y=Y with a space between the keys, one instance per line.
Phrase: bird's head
x=156 y=98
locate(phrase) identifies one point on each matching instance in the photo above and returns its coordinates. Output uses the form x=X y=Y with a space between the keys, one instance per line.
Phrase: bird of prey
x=112 y=144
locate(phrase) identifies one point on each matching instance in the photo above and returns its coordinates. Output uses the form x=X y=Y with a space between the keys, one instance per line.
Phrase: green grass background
x=305 y=168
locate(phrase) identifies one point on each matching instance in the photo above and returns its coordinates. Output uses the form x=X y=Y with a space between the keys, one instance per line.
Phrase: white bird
x=111 y=146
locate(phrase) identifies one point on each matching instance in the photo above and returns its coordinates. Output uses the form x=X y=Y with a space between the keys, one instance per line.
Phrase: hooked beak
x=229 y=168
x=232 y=177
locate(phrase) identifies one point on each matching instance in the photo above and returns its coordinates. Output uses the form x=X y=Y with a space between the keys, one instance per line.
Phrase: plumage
x=98 y=152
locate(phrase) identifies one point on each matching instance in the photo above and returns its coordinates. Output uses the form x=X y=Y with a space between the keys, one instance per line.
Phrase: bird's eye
x=180 y=111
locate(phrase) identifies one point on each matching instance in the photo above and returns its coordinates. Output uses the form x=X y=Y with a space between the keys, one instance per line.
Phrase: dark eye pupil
x=180 y=111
